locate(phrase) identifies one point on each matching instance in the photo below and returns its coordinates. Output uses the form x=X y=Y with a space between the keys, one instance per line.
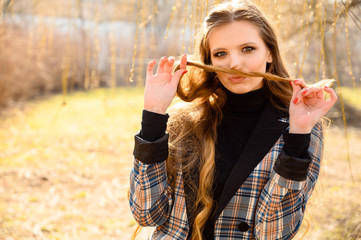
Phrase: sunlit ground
x=64 y=171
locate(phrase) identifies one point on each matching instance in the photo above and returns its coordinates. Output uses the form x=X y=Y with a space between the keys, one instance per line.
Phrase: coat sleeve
x=283 y=201
x=150 y=195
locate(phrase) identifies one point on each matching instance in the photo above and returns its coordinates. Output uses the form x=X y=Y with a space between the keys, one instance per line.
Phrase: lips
x=236 y=79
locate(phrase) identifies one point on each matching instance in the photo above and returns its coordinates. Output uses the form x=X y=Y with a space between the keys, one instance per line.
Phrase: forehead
x=234 y=34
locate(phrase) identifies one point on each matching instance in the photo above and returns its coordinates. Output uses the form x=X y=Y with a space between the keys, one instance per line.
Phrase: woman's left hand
x=308 y=106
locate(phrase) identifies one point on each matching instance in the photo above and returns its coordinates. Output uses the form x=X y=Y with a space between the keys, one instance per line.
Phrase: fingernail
x=296 y=80
x=304 y=92
x=295 y=100
x=326 y=87
x=290 y=82
x=184 y=72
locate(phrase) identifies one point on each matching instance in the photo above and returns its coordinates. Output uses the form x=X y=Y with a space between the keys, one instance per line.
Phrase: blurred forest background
x=65 y=45
x=71 y=82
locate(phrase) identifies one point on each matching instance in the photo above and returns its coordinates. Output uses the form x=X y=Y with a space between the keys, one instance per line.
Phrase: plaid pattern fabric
x=271 y=205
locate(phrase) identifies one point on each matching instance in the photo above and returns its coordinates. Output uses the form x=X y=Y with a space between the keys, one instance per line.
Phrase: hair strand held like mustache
x=267 y=75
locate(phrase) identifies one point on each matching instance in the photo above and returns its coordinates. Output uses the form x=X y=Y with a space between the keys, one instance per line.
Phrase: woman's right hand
x=161 y=88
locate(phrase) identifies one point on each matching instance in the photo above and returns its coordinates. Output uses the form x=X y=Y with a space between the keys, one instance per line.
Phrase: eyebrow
x=244 y=44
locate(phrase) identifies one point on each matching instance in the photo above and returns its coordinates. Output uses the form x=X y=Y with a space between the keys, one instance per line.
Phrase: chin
x=239 y=89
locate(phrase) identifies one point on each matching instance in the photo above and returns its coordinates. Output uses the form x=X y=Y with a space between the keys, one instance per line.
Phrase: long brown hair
x=193 y=127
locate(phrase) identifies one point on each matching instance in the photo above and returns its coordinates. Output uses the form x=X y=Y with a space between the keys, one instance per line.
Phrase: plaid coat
x=262 y=205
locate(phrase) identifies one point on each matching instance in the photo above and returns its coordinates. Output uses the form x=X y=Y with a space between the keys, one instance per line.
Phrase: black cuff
x=296 y=145
x=291 y=167
x=154 y=125
x=151 y=152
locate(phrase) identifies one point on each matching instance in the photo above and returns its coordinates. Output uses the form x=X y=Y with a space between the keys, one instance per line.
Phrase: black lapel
x=266 y=132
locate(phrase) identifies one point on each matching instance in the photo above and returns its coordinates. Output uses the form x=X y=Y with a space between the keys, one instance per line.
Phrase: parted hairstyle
x=193 y=126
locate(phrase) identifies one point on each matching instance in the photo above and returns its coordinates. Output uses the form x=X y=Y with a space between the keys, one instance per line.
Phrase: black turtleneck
x=240 y=115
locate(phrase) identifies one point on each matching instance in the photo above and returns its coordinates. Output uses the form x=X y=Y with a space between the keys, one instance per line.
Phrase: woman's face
x=238 y=45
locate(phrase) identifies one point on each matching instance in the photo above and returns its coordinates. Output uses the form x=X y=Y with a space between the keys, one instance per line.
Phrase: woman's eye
x=248 y=49
x=220 y=54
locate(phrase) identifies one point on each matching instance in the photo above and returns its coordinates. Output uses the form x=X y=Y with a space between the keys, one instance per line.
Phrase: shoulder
x=183 y=121
x=183 y=113
x=182 y=127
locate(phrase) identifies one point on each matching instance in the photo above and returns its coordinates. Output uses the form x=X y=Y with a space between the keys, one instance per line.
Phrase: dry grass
x=64 y=171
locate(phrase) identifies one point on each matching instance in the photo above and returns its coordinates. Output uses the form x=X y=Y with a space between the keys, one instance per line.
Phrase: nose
x=235 y=61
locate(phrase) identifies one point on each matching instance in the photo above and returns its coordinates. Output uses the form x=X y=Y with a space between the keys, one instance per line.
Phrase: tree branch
x=347 y=10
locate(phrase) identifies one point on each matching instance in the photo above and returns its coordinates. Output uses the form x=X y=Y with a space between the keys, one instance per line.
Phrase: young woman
x=241 y=158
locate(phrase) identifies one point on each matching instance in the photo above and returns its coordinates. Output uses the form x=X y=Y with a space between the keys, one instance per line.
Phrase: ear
x=269 y=58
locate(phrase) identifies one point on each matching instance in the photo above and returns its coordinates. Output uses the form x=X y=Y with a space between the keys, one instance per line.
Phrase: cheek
x=221 y=75
x=257 y=63
x=218 y=63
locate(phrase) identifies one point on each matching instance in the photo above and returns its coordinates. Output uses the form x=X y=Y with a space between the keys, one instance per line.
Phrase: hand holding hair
x=160 y=89
x=308 y=105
